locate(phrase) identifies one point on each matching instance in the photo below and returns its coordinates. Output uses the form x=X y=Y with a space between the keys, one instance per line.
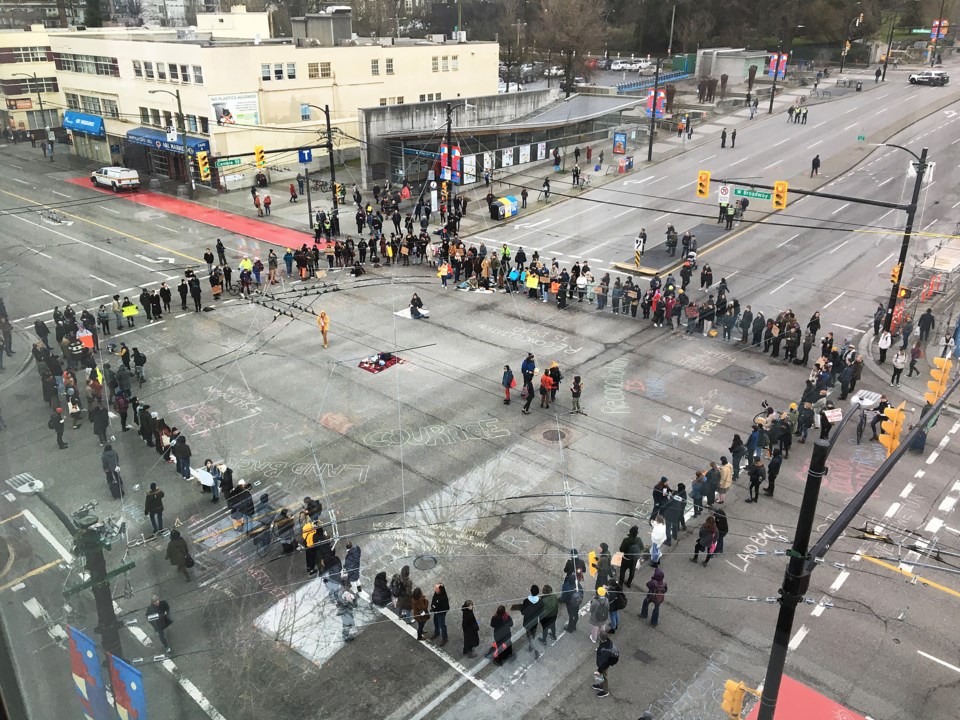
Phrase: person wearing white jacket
x=899 y=363
x=886 y=340
x=658 y=536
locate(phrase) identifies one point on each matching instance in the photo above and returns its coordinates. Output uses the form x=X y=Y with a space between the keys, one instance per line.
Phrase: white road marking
x=48 y=536
x=955 y=141
x=815 y=144
x=884 y=183
x=819 y=124
x=891 y=511
x=850 y=126
x=739 y=161
x=845 y=205
x=193 y=691
x=70 y=197
x=115 y=212
x=81 y=242
x=50 y=257
x=934 y=525
x=938 y=660
x=103 y=281
x=932 y=459
x=52 y=295
x=847 y=112
x=879 y=112
x=907 y=489
x=884 y=261
x=880 y=97
x=845 y=327
x=708 y=158
x=948 y=504
x=834 y=300
x=687 y=185
x=798 y=638
x=22 y=182
x=595 y=260
x=661 y=217
x=838 y=247
x=781 y=142
x=781 y=285
x=932 y=222
x=16 y=166
x=773 y=165
x=838 y=583
x=164 y=227
x=788 y=240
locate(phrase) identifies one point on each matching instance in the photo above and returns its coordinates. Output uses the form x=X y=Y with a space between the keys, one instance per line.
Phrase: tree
x=569 y=28
x=669 y=93
x=92 y=14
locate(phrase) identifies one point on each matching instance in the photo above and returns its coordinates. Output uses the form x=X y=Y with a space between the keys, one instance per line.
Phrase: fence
x=648 y=82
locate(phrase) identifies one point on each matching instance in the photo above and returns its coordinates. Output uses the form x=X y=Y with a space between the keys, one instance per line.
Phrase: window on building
x=204 y=125
x=423 y=98
x=155 y=117
x=291 y=71
x=400 y=100
x=161 y=71
x=389 y=66
x=174 y=72
x=30 y=54
x=265 y=72
x=191 y=121
x=144 y=116
x=185 y=73
x=383 y=101
x=168 y=119
x=110 y=108
x=437 y=97
x=374 y=67
x=313 y=71
x=197 y=75
x=90 y=104
x=137 y=69
x=304 y=112
x=445 y=63
x=455 y=62
x=435 y=63
x=148 y=69
x=278 y=71
x=325 y=71
x=73 y=100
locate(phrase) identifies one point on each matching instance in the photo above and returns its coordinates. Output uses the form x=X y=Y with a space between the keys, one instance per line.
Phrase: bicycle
x=319 y=185
x=585 y=182
x=263 y=539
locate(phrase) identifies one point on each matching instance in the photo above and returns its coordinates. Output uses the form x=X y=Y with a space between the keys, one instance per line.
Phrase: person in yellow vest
x=246 y=264
x=323 y=322
x=310 y=543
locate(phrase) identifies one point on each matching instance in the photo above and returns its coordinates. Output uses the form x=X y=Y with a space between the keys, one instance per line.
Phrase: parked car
x=116 y=178
x=553 y=71
x=930 y=77
x=604 y=63
x=644 y=64
x=625 y=64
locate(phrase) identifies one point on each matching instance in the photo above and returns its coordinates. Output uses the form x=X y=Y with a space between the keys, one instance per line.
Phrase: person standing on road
x=179 y=554
x=773 y=470
x=656 y=593
x=183 y=290
x=323 y=322
x=723 y=139
x=815 y=166
x=916 y=352
x=733 y=139
x=631 y=548
x=194 y=285
x=440 y=606
x=878 y=316
x=208 y=259
x=56 y=423
x=471 y=629
x=508 y=382
x=906 y=332
x=706 y=540
x=899 y=363
x=548 y=619
x=158 y=615
x=571 y=591
x=607 y=656
x=420 y=609
x=886 y=340
x=757 y=473
x=876 y=76
x=221 y=252
x=599 y=612
x=153 y=506
x=532 y=610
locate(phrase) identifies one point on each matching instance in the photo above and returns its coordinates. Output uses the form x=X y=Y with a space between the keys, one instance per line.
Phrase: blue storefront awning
x=157 y=139
x=83 y=123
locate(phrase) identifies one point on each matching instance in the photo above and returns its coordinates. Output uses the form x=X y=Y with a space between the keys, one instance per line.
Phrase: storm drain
x=740 y=376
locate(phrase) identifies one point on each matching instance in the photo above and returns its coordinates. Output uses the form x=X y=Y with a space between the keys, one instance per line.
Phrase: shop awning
x=151 y=137
x=83 y=123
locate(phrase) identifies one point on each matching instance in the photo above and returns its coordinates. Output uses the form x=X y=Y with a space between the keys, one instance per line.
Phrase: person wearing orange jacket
x=323 y=322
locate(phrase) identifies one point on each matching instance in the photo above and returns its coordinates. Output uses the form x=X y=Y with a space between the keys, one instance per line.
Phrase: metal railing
x=648 y=81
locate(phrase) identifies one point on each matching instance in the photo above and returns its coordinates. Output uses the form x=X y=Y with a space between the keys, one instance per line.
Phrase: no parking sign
x=723 y=194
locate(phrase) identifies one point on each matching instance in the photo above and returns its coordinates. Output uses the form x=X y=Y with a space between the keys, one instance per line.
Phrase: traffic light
x=733 y=693
x=780 y=195
x=895 y=273
x=703 y=183
x=444 y=191
x=203 y=163
x=893 y=426
x=260 y=156
x=846 y=45
x=904 y=293
x=338 y=188
x=941 y=378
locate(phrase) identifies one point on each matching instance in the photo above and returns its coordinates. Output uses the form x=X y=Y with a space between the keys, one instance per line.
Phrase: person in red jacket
x=547 y=385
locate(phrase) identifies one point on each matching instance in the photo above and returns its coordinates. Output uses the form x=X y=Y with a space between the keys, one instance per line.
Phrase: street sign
x=724 y=193
x=920 y=31
x=306 y=156
x=756 y=194
x=227 y=162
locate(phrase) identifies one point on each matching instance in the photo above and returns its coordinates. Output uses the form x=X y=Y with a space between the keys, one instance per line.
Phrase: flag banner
x=85 y=667
x=128 y=695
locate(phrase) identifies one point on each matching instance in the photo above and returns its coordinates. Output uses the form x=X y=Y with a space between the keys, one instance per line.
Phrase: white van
x=116 y=178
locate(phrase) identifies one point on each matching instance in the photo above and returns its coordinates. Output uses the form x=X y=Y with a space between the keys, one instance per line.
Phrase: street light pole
x=182 y=122
x=776 y=71
x=333 y=166
x=886 y=58
x=653 y=112
x=936 y=38
x=907 y=230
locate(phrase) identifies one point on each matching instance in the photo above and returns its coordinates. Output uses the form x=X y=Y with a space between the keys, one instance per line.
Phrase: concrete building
x=733 y=62
x=239 y=89
x=28 y=82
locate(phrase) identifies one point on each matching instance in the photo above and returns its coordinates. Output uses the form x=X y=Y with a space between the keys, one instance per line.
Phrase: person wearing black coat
x=471 y=628
x=381 y=592
x=242 y=503
x=110 y=462
x=440 y=606
x=723 y=527
x=632 y=548
x=673 y=513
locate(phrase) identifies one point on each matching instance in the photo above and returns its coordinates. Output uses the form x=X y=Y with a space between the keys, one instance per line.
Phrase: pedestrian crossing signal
x=904 y=293
x=703 y=183
x=260 y=156
x=941 y=378
x=203 y=164
x=780 y=195
x=444 y=191
x=892 y=427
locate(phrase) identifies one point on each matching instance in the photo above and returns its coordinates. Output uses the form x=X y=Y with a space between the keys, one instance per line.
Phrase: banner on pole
x=85 y=668
x=128 y=695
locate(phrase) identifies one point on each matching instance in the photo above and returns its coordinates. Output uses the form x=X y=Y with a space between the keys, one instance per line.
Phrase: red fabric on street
x=249 y=227
x=377 y=367
x=798 y=702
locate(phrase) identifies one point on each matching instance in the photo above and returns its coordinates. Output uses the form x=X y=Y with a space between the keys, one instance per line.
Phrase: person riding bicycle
x=246 y=277
x=139 y=360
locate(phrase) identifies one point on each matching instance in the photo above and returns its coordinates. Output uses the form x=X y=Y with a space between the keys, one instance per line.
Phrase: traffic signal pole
x=907 y=233
x=653 y=112
x=333 y=165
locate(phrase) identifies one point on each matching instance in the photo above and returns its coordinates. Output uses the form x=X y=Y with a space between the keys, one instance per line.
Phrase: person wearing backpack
x=401 y=588
x=632 y=548
x=607 y=656
x=618 y=601
x=599 y=612
x=656 y=592
x=139 y=360
x=571 y=595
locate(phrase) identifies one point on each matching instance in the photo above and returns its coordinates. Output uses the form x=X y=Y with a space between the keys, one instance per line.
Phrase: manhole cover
x=549 y=434
x=425 y=562
x=643 y=657
x=740 y=376
x=554 y=435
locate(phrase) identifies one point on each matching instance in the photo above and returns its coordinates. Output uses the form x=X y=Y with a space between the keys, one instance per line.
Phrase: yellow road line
x=12 y=517
x=41 y=569
x=9 y=564
x=928 y=583
x=105 y=227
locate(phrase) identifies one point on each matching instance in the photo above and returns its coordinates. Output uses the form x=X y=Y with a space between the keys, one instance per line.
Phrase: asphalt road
x=423 y=465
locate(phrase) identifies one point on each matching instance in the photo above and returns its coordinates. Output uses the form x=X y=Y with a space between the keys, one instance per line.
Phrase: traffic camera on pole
x=703 y=183
x=895 y=273
x=259 y=156
x=940 y=379
x=203 y=165
x=892 y=427
x=780 y=195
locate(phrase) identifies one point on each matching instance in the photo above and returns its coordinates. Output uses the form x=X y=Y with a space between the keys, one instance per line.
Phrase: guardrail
x=649 y=81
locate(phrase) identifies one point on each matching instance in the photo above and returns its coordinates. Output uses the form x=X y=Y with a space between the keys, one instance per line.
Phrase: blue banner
x=128 y=695
x=85 y=667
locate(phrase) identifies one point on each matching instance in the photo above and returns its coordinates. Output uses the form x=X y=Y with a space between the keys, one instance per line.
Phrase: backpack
x=620 y=603
x=614 y=656
x=52 y=423
x=603 y=611
x=658 y=595
x=396 y=585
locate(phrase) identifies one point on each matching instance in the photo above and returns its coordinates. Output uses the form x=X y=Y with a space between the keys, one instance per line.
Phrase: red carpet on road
x=251 y=227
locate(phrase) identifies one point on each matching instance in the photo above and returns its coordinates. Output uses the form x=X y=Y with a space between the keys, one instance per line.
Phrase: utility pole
x=907 y=231
x=936 y=38
x=796 y=579
x=673 y=16
x=886 y=58
x=776 y=71
x=451 y=188
x=182 y=122
x=333 y=165
x=653 y=111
